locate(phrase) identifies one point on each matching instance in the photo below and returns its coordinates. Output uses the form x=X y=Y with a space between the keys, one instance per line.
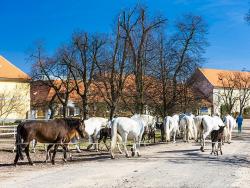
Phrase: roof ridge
x=225 y=70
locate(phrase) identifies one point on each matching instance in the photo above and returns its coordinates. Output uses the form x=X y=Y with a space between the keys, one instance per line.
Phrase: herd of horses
x=60 y=132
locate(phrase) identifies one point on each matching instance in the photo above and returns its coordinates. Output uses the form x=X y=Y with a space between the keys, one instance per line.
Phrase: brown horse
x=68 y=138
x=56 y=132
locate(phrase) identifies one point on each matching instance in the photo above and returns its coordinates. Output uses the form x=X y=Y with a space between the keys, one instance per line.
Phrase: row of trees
x=158 y=61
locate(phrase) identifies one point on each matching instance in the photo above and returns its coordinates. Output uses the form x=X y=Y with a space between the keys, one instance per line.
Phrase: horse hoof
x=65 y=160
x=32 y=164
x=202 y=149
x=133 y=154
x=112 y=157
x=127 y=156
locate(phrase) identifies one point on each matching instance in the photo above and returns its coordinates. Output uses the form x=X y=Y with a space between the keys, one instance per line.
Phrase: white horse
x=230 y=124
x=92 y=127
x=199 y=127
x=149 y=122
x=127 y=128
x=188 y=127
x=171 y=125
x=208 y=125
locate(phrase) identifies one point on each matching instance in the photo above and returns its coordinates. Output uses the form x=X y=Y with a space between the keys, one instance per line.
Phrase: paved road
x=163 y=165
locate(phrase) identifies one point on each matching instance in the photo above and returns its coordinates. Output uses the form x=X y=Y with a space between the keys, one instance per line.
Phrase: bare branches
x=236 y=89
x=138 y=28
x=113 y=70
x=134 y=66
x=11 y=102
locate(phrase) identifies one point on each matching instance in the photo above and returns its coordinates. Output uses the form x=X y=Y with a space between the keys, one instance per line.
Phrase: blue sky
x=25 y=22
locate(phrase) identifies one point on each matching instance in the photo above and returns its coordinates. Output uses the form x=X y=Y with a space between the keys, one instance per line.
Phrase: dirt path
x=163 y=165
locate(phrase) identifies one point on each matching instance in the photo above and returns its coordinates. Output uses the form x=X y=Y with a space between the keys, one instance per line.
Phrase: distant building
x=14 y=91
x=209 y=83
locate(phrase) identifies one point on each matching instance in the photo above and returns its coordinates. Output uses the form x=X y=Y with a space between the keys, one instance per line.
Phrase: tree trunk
x=112 y=112
x=64 y=110
x=85 y=108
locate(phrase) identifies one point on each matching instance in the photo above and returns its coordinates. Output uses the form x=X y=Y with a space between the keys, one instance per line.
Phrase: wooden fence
x=7 y=136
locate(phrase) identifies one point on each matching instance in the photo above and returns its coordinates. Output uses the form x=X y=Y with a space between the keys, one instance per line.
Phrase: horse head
x=81 y=129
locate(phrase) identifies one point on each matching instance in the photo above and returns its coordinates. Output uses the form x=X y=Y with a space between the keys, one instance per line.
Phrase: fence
x=7 y=136
x=8 y=132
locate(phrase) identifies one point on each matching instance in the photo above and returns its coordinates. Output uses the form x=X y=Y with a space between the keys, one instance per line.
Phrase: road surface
x=161 y=165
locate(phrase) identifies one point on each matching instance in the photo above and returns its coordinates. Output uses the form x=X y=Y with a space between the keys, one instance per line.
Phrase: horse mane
x=72 y=122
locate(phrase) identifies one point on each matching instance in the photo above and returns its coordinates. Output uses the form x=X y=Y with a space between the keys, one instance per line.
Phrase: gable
x=10 y=71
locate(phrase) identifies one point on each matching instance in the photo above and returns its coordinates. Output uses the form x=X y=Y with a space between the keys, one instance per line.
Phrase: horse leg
x=187 y=134
x=138 y=144
x=133 y=149
x=104 y=141
x=91 y=142
x=212 y=148
x=184 y=134
x=28 y=154
x=102 y=137
x=78 y=148
x=174 y=137
x=65 y=149
x=195 y=133
x=119 y=138
x=124 y=141
x=48 y=154
x=54 y=153
x=217 y=148
x=16 y=158
x=220 y=147
x=34 y=143
x=204 y=136
x=230 y=137
x=95 y=143
x=154 y=136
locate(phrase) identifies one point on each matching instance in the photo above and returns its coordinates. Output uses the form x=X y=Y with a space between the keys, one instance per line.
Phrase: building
x=14 y=91
x=215 y=84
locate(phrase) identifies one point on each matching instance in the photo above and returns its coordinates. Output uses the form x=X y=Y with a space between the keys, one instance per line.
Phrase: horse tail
x=114 y=125
x=19 y=141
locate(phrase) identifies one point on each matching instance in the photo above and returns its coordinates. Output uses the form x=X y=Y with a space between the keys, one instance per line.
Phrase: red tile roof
x=213 y=75
x=10 y=71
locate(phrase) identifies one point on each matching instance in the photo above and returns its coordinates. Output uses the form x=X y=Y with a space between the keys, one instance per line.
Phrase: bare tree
x=138 y=28
x=81 y=59
x=227 y=94
x=54 y=73
x=188 y=46
x=242 y=80
x=40 y=99
x=177 y=57
x=113 y=70
x=11 y=102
